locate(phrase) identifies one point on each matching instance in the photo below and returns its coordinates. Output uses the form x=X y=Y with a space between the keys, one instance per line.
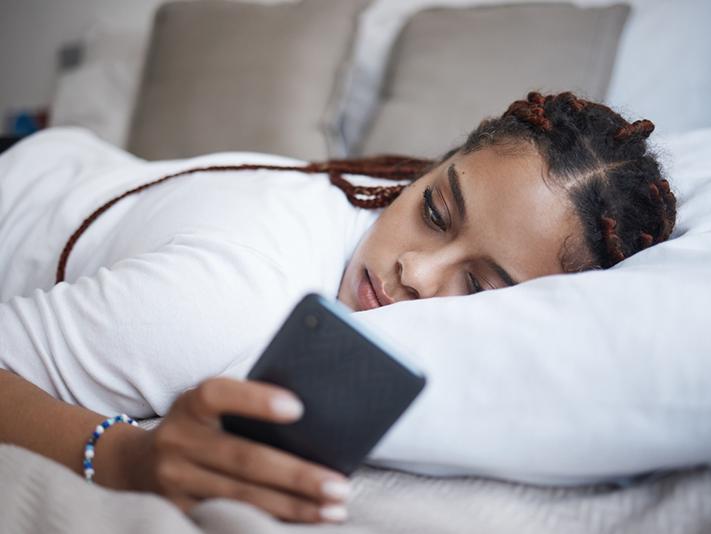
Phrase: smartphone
x=353 y=386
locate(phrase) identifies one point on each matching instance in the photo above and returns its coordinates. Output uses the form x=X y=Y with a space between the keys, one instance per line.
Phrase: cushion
x=109 y=69
x=664 y=47
x=238 y=76
x=570 y=378
x=450 y=68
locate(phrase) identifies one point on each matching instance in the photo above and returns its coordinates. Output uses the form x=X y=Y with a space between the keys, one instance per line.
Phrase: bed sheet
x=41 y=496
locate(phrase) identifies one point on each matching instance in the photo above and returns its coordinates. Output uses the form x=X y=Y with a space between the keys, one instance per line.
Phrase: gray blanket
x=41 y=496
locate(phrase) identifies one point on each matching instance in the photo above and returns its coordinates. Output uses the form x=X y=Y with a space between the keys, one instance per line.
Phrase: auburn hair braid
x=388 y=166
x=602 y=160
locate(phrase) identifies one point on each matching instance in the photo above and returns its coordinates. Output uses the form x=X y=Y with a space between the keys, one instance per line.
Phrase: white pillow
x=665 y=47
x=572 y=378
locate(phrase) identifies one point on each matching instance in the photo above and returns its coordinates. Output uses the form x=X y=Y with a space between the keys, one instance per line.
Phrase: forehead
x=514 y=215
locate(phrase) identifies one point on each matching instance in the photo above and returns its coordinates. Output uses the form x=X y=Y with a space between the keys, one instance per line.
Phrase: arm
x=32 y=419
x=187 y=458
x=131 y=339
x=133 y=336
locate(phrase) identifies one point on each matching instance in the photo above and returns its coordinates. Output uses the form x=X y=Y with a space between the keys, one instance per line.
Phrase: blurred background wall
x=32 y=32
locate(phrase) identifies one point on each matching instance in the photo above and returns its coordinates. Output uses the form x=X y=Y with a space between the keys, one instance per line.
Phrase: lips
x=367 y=298
x=379 y=289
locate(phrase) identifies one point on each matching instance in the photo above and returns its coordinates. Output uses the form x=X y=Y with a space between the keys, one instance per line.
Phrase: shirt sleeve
x=135 y=335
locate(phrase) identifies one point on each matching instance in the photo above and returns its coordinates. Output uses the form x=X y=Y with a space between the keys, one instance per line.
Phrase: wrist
x=118 y=457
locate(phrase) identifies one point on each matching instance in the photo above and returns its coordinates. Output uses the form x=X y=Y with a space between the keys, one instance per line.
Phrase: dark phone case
x=352 y=390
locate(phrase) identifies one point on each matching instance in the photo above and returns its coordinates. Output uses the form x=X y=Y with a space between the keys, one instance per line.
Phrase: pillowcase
x=572 y=378
x=236 y=76
x=665 y=46
x=450 y=68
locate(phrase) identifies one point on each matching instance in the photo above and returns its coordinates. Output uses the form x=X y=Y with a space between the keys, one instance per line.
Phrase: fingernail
x=335 y=489
x=287 y=406
x=334 y=513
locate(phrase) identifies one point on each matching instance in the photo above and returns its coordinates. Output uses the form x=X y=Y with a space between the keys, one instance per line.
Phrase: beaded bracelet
x=95 y=435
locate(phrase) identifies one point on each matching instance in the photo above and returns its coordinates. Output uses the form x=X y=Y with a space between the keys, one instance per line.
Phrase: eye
x=430 y=213
x=432 y=216
x=473 y=284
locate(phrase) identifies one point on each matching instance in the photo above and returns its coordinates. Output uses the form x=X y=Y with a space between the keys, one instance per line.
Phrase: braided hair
x=602 y=160
x=370 y=197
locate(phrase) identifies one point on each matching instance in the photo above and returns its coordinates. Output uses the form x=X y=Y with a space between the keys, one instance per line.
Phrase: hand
x=189 y=458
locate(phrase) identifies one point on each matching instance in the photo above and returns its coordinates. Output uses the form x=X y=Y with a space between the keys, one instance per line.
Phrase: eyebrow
x=503 y=273
x=453 y=179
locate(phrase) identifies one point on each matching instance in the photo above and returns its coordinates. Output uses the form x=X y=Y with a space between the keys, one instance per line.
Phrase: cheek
x=389 y=234
x=368 y=247
x=385 y=236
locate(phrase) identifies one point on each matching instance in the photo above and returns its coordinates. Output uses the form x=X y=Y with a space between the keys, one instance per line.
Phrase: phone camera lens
x=311 y=321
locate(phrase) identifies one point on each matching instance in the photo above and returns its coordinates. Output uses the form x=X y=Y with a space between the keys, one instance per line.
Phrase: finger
x=249 y=398
x=201 y=483
x=184 y=503
x=257 y=463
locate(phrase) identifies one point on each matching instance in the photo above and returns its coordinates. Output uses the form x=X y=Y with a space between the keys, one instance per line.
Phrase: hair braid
x=532 y=111
x=612 y=240
x=638 y=129
x=389 y=167
x=386 y=166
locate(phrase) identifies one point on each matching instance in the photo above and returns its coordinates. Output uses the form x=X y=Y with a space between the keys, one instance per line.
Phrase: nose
x=422 y=275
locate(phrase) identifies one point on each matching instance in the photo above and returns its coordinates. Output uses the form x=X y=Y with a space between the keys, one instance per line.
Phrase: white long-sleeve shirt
x=186 y=280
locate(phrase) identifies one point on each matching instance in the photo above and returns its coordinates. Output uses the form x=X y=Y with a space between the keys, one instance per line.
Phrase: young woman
x=181 y=279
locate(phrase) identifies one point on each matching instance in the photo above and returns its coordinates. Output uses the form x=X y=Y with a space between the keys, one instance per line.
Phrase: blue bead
x=87 y=464
x=106 y=424
x=95 y=435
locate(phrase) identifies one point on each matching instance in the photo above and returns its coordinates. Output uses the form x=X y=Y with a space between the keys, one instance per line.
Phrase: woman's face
x=478 y=221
